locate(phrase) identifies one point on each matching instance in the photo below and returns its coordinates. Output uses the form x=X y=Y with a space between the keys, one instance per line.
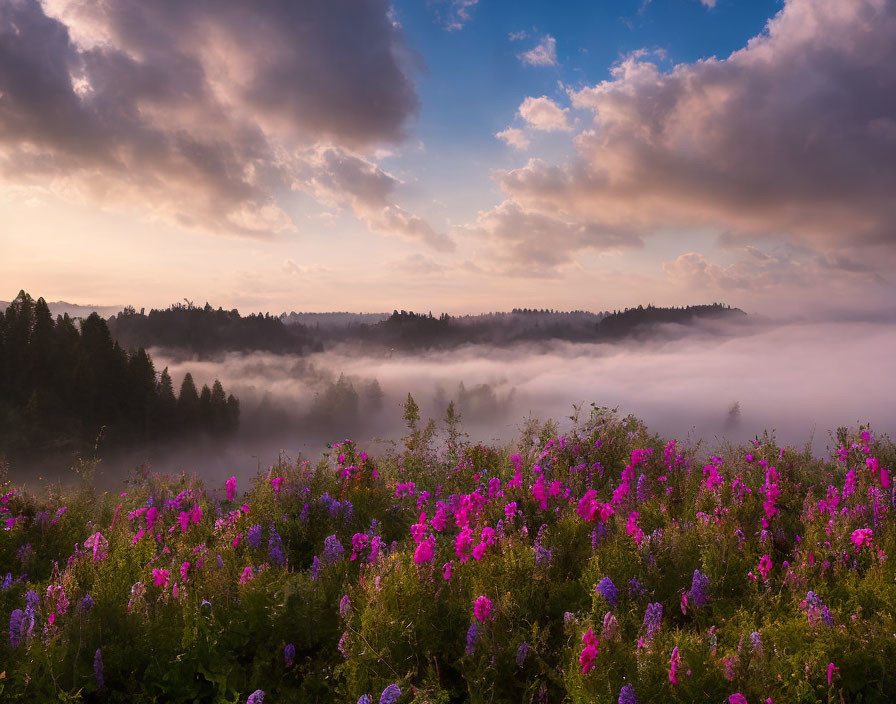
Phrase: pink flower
x=446 y=570
x=161 y=577
x=831 y=670
x=184 y=569
x=230 y=485
x=510 y=510
x=196 y=514
x=737 y=698
x=463 y=544
x=632 y=528
x=424 y=551
x=674 y=663
x=765 y=566
x=482 y=609
x=861 y=537
x=479 y=551
x=275 y=483
x=589 y=652
x=247 y=575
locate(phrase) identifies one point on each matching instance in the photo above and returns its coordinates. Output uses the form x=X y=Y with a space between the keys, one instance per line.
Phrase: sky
x=450 y=155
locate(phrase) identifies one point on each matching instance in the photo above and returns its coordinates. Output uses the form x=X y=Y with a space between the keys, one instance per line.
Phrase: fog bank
x=800 y=380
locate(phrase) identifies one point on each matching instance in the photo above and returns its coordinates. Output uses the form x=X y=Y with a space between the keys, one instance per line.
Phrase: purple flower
x=332 y=550
x=627 y=695
x=98 y=668
x=652 y=619
x=254 y=536
x=345 y=606
x=608 y=591
x=699 y=587
x=390 y=694
x=15 y=627
x=521 y=653
x=32 y=599
x=257 y=697
x=472 y=638
x=289 y=654
x=275 y=548
x=635 y=589
x=86 y=603
x=315 y=568
x=542 y=554
x=7 y=582
x=756 y=640
x=365 y=699
x=643 y=489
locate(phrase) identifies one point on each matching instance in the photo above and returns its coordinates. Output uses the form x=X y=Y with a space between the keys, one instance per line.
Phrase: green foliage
x=250 y=575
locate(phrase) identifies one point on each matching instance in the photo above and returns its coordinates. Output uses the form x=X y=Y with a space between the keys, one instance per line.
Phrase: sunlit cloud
x=542 y=54
x=744 y=144
x=170 y=110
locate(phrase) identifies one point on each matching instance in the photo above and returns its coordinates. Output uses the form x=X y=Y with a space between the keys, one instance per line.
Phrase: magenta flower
x=861 y=537
x=831 y=670
x=589 y=652
x=424 y=551
x=737 y=698
x=184 y=570
x=276 y=482
x=482 y=609
x=633 y=529
x=446 y=570
x=674 y=663
x=161 y=577
x=463 y=544
x=765 y=566
x=230 y=485
x=510 y=510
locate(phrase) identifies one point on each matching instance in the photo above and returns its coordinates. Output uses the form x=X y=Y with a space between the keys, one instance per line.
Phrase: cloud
x=543 y=114
x=708 y=3
x=792 y=138
x=542 y=54
x=457 y=14
x=338 y=178
x=514 y=137
x=784 y=278
x=417 y=264
x=537 y=243
x=171 y=108
x=517 y=36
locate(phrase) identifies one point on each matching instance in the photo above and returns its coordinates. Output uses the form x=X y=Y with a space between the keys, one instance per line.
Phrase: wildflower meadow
x=604 y=564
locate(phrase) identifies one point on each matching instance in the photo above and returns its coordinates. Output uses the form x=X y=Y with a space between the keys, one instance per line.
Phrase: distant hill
x=206 y=331
x=73 y=310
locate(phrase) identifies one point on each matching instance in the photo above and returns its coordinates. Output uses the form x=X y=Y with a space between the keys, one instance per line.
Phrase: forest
x=204 y=331
x=67 y=386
